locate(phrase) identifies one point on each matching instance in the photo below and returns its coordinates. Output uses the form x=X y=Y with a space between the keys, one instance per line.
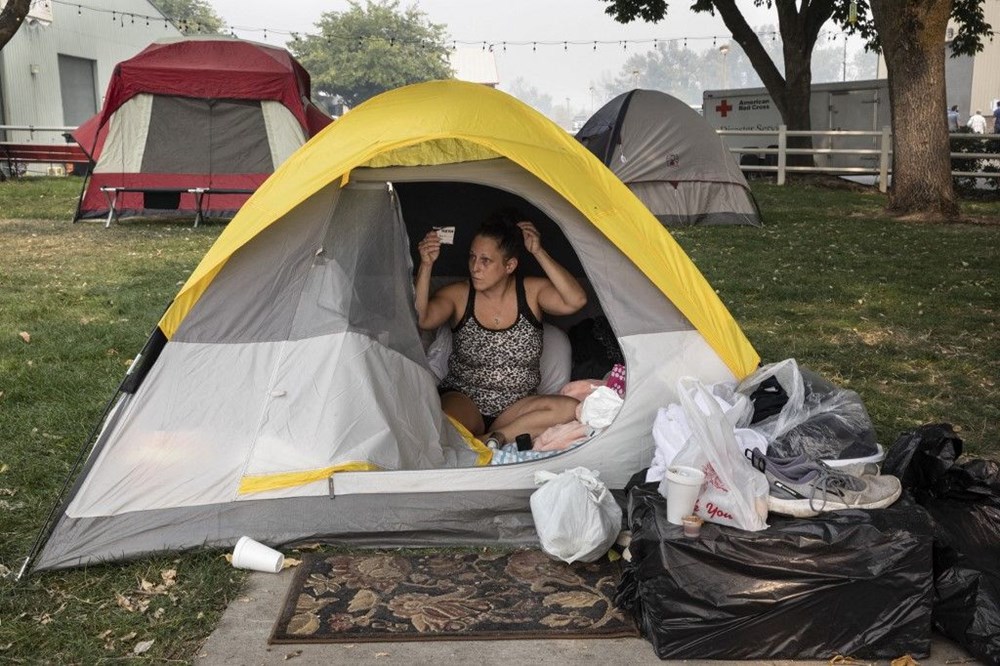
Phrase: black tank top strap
x=522 y=304
x=470 y=308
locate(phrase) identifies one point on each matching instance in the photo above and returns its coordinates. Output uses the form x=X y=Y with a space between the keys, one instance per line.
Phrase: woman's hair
x=502 y=227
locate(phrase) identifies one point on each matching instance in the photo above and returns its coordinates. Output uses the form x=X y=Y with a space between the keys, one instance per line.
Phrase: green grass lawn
x=905 y=314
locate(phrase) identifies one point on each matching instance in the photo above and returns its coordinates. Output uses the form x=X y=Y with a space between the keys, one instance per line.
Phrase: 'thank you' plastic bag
x=734 y=493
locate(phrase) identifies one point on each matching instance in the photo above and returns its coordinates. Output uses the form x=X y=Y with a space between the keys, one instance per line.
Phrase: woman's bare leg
x=461 y=408
x=534 y=415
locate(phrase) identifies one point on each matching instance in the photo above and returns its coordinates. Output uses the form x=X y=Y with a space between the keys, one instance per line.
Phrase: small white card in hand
x=446 y=234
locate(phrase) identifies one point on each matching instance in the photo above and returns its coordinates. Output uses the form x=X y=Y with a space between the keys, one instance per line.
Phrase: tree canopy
x=911 y=35
x=686 y=73
x=369 y=49
x=191 y=17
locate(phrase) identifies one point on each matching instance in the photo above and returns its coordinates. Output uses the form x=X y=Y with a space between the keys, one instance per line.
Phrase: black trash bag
x=963 y=500
x=851 y=582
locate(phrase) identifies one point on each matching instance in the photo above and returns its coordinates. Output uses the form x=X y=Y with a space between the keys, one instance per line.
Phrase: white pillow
x=439 y=351
x=557 y=359
x=556 y=363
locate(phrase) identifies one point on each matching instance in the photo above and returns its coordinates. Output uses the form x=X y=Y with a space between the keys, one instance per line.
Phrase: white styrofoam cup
x=250 y=554
x=681 y=486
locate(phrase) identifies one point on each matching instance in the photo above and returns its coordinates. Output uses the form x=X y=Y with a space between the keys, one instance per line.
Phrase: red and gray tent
x=214 y=113
x=671 y=158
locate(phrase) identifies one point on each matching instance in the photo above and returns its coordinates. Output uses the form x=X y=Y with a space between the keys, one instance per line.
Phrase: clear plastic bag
x=575 y=515
x=820 y=420
x=734 y=493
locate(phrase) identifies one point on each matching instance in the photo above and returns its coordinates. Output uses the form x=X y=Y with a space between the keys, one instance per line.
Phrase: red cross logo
x=724 y=108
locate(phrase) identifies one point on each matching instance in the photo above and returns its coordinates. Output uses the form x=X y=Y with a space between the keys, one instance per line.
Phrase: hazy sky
x=560 y=73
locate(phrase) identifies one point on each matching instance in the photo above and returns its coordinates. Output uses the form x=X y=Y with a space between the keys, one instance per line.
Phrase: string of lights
x=124 y=19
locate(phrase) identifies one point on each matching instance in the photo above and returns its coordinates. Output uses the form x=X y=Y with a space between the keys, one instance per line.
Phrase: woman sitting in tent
x=494 y=369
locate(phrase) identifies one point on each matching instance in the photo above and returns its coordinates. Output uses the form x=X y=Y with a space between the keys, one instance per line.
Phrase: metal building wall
x=35 y=98
x=986 y=70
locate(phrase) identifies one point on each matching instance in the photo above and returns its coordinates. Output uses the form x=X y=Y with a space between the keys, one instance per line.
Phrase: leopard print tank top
x=495 y=368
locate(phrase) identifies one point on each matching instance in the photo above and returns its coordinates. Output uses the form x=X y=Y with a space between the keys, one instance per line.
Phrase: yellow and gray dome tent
x=285 y=393
x=671 y=158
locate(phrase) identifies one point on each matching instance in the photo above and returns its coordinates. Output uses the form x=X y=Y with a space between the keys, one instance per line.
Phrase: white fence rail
x=882 y=141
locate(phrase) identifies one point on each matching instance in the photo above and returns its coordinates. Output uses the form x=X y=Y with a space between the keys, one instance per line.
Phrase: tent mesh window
x=198 y=136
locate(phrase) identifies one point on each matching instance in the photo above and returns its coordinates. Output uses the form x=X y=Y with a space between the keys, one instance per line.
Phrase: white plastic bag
x=734 y=493
x=575 y=515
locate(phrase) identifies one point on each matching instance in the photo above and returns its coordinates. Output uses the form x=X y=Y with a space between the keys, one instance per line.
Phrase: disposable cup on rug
x=681 y=486
x=250 y=554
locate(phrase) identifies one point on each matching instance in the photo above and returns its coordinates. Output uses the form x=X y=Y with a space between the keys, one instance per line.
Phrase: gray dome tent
x=670 y=158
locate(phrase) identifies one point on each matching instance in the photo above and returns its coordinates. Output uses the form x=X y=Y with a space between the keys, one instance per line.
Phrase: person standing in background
x=953 y=118
x=977 y=123
x=996 y=119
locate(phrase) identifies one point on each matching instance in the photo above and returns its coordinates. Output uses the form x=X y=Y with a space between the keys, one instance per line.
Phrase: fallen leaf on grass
x=4 y=571
x=229 y=557
x=25 y=336
x=4 y=467
x=291 y=562
x=130 y=604
x=292 y=655
x=905 y=660
x=143 y=646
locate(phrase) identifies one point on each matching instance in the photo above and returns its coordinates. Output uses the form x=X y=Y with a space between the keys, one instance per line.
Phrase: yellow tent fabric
x=443 y=122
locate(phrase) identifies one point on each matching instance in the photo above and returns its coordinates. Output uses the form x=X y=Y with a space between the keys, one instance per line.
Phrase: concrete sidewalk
x=241 y=639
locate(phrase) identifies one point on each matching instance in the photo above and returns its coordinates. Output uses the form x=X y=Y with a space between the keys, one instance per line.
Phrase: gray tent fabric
x=671 y=159
x=304 y=354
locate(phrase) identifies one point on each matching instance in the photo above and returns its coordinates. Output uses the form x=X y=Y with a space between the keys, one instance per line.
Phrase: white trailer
x=849 y=105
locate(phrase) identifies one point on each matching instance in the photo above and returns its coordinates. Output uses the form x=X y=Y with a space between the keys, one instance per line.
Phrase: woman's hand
x=532 y=239
x=429 y=248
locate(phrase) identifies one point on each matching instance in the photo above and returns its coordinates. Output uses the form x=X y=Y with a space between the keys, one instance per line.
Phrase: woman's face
x=487 y=266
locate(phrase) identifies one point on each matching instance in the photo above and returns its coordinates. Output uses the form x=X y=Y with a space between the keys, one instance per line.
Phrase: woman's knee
x=461 y=408
x=566 y=406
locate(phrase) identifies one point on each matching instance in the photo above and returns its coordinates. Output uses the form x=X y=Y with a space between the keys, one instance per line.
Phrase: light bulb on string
x=533 y=46
x=565 y=46
x=79 y=10
x=595 y=46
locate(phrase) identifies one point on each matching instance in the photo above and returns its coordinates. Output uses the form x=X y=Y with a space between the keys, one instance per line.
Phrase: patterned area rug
x=466 y=595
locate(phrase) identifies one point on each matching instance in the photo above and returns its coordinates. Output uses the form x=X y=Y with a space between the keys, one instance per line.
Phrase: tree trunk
x=913 y=37
x=798 y=92
x=11 y=18
x=791 y=93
